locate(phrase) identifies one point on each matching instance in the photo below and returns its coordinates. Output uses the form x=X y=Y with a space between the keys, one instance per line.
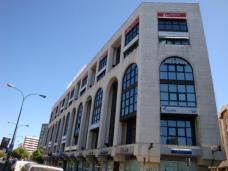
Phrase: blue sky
x=43 y=44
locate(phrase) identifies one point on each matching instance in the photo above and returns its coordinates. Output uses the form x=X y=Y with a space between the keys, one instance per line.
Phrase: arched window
x=52 y=130
x=177 y=83
x=51 y=118
x=78 y=119
x=97 y=106
x=66 y=124
x=129 y=92
x=57 y=131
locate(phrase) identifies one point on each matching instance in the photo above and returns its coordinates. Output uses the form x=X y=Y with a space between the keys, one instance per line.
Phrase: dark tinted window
x=131 y=34
x=172 y=41
x=97 y=106
x=129 y=91
x=102 y=63
x=177 y=132
x=78 y=119
x=179 y=25
x=66 y=124
x=57 y=131
x=177 y=83
x=84 y=81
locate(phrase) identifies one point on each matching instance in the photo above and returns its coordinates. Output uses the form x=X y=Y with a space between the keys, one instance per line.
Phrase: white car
x=17 y=166
x=40 y=167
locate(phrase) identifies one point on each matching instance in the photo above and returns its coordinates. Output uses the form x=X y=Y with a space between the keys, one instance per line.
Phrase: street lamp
x=24 y=97
x=25 y=125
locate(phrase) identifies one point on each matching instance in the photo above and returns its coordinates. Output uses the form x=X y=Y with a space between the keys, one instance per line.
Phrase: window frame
x=173 y=41
x=131 y=34
x=172 y=25
x=57 y=131
x=84 y=81
x=129 y=92
x=78 y=119
x=97 y=107
x=66 y=126
x=176 y=128
x=103 y=62
x=169 y=67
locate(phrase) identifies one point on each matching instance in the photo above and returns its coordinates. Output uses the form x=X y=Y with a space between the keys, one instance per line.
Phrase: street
x=2 y=165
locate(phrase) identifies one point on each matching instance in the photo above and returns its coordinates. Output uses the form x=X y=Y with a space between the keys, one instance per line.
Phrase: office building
x=144 y=102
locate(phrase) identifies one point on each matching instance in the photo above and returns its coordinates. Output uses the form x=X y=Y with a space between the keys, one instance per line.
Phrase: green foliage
x=20 y=153
x=37 y=155
x=2 y=154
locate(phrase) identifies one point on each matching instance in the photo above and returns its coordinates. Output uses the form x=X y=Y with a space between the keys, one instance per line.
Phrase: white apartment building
x=30 y=143
x=144 y=102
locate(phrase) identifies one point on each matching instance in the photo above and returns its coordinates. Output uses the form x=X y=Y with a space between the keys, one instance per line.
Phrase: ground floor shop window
x=176 y=166
x=83 y=167
x=72 y=166
x=96 y=167
x=132 y=165
x=177 y=131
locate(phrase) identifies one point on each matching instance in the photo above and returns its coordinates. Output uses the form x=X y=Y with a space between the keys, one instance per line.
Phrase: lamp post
x=25 y=125
x=24 y=97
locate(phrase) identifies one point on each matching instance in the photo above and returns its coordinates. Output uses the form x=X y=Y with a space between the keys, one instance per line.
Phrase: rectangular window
x=71 y=94
x=173 y=25
x=102 y=63
x=132 y=31
x=174 y=41
x=131 y=131
x=102 y=66
x=131 y=49
x=84 y=81
x=177 y=95
x=56 y=111
x=93 y=75
x=118 y=50
x=116 y=56
x=177 y=132
x=63 y=102
x=101 y=75
x=62 y=106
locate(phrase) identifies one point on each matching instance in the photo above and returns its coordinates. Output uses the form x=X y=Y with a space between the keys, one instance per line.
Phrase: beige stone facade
x=223 y=125
x=118 y=115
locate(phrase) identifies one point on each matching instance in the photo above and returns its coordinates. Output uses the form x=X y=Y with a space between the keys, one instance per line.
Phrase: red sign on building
x=171 y=15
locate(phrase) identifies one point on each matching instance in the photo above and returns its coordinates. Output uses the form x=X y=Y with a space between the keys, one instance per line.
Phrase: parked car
x=17 y=165
x=40 y=167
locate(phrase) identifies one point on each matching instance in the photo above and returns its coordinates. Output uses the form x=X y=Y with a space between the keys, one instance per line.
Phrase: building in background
x=223 y=123
x=145 y=102
x=30 y=143
x=43 y=134
x=4 y=143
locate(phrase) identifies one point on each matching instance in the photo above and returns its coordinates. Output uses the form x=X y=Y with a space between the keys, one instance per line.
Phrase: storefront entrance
x=176 y=166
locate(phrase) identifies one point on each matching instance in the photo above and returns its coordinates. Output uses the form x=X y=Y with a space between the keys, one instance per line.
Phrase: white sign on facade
x=178 y=110
x=167 y=34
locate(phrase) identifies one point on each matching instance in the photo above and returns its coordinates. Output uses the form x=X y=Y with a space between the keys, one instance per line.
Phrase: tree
x=2 y=154
x=20 y=153
x=37 y=155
